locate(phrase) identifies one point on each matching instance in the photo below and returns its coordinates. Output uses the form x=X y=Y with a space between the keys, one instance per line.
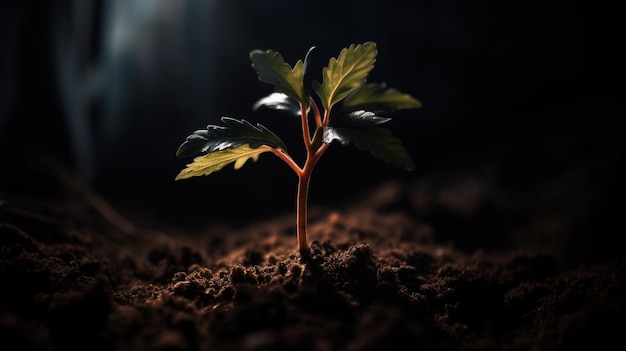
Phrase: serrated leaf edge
x=223 y=158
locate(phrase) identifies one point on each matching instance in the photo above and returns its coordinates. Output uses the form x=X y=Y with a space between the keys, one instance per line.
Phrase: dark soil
x=422 y=265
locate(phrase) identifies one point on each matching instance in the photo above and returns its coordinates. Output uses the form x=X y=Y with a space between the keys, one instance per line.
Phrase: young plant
x=357 y=121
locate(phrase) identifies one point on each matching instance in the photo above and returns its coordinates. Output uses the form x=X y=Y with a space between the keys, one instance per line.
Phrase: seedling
x=357 y=121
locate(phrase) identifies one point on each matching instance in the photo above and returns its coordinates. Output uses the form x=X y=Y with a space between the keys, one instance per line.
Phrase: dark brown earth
x=433 y=264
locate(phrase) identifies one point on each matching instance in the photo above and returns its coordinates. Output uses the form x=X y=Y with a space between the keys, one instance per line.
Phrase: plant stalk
x=314 y=149
x=314 y=153
x=301 y=216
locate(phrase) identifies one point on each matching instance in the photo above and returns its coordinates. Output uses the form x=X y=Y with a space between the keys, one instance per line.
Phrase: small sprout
x=357 y=120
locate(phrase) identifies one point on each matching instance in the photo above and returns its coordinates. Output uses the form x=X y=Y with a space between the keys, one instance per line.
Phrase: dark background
x=523 y=90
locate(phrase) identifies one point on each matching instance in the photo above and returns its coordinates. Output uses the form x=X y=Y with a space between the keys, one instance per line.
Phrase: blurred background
x=522 y=95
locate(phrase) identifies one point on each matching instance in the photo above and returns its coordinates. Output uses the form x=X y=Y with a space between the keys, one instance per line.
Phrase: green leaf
x=377 y=98
x=272 y=69
x=345 y=74
x=214 y=161
x=360 y=129
x=233 y=134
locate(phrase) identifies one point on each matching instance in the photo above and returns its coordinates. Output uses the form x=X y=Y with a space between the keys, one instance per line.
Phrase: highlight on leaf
x=233 y=133
x=215 y=161
x=280 y=102
x=360 y=128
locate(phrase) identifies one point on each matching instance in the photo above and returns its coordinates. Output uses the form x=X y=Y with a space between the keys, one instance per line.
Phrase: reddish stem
x=314 y=149
x=305 y=128
x=313 y=152
x=301 y=207
x=303 y=190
